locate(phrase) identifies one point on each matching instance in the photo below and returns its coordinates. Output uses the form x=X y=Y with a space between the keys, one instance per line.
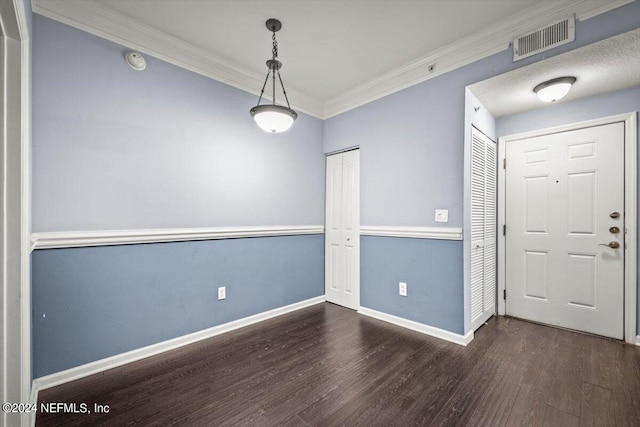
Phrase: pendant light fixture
x=555 y=89
x=273 y=118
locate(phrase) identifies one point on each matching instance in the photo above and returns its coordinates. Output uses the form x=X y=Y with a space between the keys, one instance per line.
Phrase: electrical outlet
x=222 y=292
x=442 y=215
x=402 y=289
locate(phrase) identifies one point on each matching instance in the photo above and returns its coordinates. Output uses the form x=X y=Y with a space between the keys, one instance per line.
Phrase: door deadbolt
x=612 y=245
x=614 y=230
x=614 y=215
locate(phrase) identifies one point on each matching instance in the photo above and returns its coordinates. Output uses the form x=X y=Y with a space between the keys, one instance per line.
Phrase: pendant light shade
x=553 y=90
x=273 y=118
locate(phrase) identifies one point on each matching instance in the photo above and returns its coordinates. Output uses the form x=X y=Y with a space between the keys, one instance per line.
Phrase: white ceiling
x=326 y=47
x=605 y=66
x=331 y=50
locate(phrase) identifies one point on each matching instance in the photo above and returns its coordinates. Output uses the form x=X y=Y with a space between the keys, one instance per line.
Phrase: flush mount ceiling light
x=555 y=89
x=273 y=118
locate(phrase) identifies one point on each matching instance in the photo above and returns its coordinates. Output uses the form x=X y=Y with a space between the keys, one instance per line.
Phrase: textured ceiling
x=609 y=65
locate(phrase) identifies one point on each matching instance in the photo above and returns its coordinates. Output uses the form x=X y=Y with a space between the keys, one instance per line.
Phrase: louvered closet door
x=483 y=228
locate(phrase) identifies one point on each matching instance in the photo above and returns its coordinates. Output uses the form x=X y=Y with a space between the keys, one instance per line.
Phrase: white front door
x=342 y=229
x=565 y=229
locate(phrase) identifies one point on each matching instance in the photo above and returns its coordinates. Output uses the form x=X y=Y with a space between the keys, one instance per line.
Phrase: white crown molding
x=419 y=327
x=469 y=49
x=102 y=365
x=100 y=20
x=75 y=239
x=439 y=233
x=589 y=13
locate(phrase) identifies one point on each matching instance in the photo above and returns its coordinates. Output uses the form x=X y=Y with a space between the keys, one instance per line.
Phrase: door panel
x=536 y=202
x=560 y=192
x=342 y=265
x=536 y=274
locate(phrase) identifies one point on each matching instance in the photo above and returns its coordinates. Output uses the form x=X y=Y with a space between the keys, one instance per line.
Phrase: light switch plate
x=402 y=289
x=442 y=215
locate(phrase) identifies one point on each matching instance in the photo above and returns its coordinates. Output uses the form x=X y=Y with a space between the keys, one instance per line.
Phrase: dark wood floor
x=328 y=366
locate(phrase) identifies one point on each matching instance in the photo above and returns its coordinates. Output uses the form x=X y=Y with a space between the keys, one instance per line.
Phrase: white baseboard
x=419 y=327
x=637 y=339
x=78 y=372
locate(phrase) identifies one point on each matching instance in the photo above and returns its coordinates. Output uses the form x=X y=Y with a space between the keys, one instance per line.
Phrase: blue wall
x=119 y=149
x=92 y=303
x=423 y=264
x=115 y=148
x=593 y=107
x=412 y=151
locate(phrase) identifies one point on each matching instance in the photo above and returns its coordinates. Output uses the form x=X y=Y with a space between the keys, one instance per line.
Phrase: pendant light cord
x=274 y=51
x=264 y=86
x=283 y=90
x=274 y=69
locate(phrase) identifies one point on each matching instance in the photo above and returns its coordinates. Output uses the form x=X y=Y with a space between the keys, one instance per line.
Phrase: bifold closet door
x=483 y=228
x=342 y=229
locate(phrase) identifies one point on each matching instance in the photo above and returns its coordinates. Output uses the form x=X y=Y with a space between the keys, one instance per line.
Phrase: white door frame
x=630 y=203
x=16 y=194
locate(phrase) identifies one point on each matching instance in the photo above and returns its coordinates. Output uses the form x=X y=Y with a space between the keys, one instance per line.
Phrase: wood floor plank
x=497 y=403
x=556 y=418
x=597 y=407
x=566 y=391
x=529 y=407
x=326 y=365
x=626 y=385
x=596 y=362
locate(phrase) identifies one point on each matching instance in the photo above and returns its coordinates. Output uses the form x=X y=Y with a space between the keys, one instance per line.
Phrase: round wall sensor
x=136 y=61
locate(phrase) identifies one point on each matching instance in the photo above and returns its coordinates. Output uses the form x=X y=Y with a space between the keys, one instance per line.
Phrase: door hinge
x=504 y=229
x=504 y=294
x=504 y=163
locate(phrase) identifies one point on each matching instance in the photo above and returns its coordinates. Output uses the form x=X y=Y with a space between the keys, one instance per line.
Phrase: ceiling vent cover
x=545 y=38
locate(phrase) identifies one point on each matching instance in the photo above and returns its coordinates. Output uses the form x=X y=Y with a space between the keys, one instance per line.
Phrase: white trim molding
x=76 y=239
x=98 y=19
x=82 y=371
x=638 y=340
x=630 y=207
x=439 y=233
x=474 y=47
x=419 y=327
x=15 y=284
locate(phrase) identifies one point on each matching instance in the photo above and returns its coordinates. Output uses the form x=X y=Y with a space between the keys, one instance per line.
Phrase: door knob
x=612 y=245
x=614 y=215
x=614 y=230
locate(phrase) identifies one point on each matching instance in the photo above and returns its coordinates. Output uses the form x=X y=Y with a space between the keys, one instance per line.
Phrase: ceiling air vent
x=545 y=38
